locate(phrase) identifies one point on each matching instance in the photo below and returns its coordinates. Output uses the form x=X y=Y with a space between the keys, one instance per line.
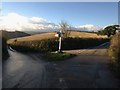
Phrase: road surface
x=98 y=50
x=87 y=70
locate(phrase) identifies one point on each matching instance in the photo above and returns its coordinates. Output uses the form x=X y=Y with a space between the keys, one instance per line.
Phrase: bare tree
x=65 y=28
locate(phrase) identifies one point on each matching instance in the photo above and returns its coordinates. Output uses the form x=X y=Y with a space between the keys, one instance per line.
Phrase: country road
x=98 y=50
x=89 y=69
x=22 y=71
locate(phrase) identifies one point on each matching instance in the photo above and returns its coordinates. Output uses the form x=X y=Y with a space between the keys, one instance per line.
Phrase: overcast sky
x=46 y=16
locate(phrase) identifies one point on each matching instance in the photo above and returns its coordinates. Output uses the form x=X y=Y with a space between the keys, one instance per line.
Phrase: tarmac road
x=87 y=70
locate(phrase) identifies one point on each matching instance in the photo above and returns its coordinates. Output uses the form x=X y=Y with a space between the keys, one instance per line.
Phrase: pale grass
x=115 y=42
x=34 y=37
x=52 y=35
x=86 y=35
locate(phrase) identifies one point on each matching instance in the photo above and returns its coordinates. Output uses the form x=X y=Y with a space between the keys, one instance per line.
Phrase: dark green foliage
x=52 y=56
x=109 y=30
x=52 y=44
x=81 y=43
x=36 y=46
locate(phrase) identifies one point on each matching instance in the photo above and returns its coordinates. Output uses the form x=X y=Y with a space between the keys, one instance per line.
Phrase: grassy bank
x=49 y=45
x=114 y=52
x=54 y=56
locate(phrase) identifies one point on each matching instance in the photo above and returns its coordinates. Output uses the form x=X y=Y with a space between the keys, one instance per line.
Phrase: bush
x=81 y=43
x=36 y=46
x=52 y=44
x=114 y=52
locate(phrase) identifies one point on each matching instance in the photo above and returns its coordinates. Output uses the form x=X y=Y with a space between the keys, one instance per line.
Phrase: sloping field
x=35 y=37
x=85 y=35
x=52 y=35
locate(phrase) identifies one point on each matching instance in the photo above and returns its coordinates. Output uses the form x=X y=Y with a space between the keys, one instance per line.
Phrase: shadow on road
x=87 y=70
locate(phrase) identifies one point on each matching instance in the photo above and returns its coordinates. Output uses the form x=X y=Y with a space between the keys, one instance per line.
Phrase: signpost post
x=59 y=34
x=60 y=39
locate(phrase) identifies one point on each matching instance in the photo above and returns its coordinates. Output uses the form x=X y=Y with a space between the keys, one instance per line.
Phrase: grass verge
x=114 y=53
x=54 y=56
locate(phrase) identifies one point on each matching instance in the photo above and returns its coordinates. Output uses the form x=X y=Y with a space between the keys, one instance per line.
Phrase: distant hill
x=16 y=34
x=34 y=32
x=52 y=35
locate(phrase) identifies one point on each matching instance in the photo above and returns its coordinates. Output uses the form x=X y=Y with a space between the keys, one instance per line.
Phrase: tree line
x=109 y=30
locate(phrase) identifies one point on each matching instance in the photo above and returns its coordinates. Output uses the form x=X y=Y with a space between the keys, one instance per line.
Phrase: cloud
x=14 y=21
x=88 y=27
x=38 y=20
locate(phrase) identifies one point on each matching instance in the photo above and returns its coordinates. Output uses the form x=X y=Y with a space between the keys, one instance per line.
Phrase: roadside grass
x=114 y=53
x=56 y=56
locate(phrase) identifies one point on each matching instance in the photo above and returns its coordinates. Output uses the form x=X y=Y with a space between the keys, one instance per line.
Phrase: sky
x=47 y=15
x=61 y=0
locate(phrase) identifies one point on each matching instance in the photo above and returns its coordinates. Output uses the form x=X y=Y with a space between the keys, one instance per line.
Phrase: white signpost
x=60 y=39
x=56 y=35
